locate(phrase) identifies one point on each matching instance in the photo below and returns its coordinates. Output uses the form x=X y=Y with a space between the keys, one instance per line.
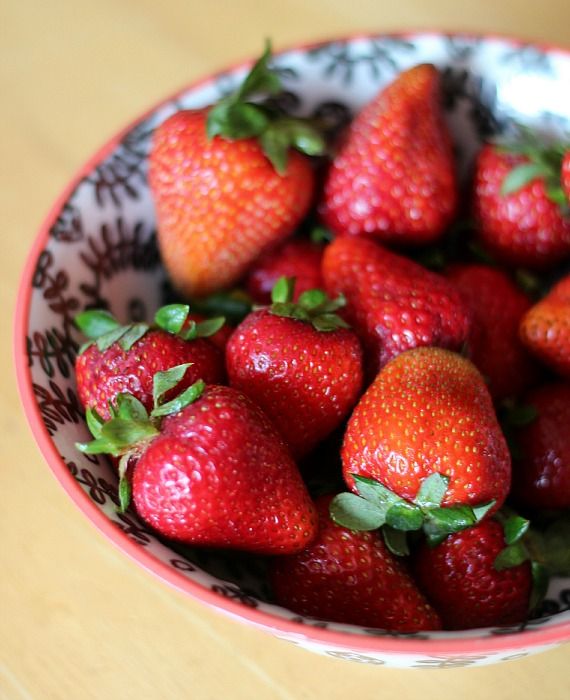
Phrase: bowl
x=97 y=248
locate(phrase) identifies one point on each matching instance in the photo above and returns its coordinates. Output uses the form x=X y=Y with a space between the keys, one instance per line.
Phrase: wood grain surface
x=78 y=620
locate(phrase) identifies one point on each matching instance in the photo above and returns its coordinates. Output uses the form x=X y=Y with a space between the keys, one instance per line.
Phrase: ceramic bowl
x=97 y=248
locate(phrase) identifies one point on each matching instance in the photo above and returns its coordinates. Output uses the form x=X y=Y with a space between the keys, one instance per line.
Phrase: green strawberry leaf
x=305 y=138
x=236 y=120
x=405 y=516
x=172 y=317
x=129 y=407
x=312 y=299
x=122 y=433
x=510 y=556
x=432 y=491
x=540 y=580
x=94 y=422
x=555 y=548
x=521 y=175
x=235 y=305
x=133 y=333
x=481 y=510
x=163 y=382
x=98 y=446
x=320 y=234
x=376 y=493
x=260 y=79
x=275 y=143
x=283 y=289
x=207 y=328
x=355 y=513
x=95 y=323
x=105 y=341
x=124 y=494
x=514 y=528
x=328 y=322
x=188 y=396
x=441 y=522
x=396 y=541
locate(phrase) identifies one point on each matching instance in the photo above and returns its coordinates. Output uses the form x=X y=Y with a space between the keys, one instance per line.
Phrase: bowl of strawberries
x=297 y=341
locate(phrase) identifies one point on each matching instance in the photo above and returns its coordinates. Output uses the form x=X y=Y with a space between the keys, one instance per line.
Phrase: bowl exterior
x=97 y=248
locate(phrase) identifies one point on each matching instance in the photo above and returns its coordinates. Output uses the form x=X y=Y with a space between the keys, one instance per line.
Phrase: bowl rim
x=279 y=626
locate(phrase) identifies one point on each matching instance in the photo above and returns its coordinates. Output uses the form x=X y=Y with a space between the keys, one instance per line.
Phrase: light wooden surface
x=77 y=619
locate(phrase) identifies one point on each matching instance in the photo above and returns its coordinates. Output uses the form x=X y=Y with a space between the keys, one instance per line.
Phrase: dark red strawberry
x=393 y=304
x=462 y=581
x=124 y=359
x=429 y=412
x=566 y=175
x=545 y=329
x=541 y=467
x=350 y=577
x=298 y=258
x=300 y=363
x=517 y=207
x=226 y=184
x=211 y=469
x=393 y=176
x=497 y=305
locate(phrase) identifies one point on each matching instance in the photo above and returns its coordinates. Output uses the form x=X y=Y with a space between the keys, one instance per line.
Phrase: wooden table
x=77 y=619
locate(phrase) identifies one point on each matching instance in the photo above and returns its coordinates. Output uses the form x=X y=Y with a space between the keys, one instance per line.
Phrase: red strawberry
x=225 y=186
x=350 y=577
x=427 y=412
x=212 y=470
x=461 y=580
x=297 y=258
x=298 y=362
x=393 y=176
x=517 y=220
x=126 y=358
x=545 y=329
x=541 y=467
x=393 y=303
x=497 y=305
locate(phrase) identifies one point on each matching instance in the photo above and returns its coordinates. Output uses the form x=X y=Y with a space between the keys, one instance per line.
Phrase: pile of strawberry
x=394 y=438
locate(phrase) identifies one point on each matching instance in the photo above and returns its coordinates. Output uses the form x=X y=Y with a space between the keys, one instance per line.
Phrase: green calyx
x=375 y=506
x=237 y=117
x=103 y=329
x=543 y=162
x=313 y=306
x=545 y=549
x=131 y=427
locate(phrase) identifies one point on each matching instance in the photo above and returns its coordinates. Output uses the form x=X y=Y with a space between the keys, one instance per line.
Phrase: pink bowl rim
x=508 y=642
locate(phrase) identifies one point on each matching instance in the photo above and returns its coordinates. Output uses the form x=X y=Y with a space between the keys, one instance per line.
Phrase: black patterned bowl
x=97 y=247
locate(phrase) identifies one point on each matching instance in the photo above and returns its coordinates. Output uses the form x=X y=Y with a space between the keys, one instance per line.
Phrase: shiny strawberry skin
x=297 y=258
x=393 y=176
x=219 y=203
x=101 y=375
x=305 y=380
x=497 y=306
x=220 y=475
x=350 y=577
x=458 y=577
x=393 y=304
x=545 y=329
x=523 y=228
x=541 y=469
x=429 y=411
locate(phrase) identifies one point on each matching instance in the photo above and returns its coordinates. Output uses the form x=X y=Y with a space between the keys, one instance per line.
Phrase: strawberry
x=225 y=185
x=299 y=362
x=122 y=359
x=541 y=465
x=517 y=202
x=461 y=579
x=393 y=303
x=428 y=412
x=350 y=577
x=211 y=469
x=497 y=306
x=545 y=329
x=298 y=258
x=393 y=176
x=219 y=338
